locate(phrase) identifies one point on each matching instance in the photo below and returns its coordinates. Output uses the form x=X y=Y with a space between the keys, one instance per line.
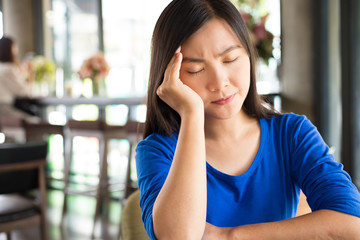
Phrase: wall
x=296 y=71
x=18 y=24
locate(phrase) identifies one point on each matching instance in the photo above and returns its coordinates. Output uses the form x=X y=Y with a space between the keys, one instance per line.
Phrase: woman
x=12 y=81
x=215 y=163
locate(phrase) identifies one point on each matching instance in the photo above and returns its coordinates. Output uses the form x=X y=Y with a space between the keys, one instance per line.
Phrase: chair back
x=24 y=177
x=132 y=226
x=22 y=168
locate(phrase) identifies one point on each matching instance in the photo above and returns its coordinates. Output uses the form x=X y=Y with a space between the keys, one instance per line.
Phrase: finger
x=172 y=71
x=176 y=66
x=178 y=50
x=159 y=91
x=173 y=59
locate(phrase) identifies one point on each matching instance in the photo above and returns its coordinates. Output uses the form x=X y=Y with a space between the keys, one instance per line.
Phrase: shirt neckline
x=254 y=164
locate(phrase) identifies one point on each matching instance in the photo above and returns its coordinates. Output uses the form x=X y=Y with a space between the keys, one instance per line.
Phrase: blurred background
x=309 y=63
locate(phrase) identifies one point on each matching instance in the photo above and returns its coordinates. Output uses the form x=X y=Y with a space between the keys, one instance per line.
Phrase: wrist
x=193 y=109
x=195 y=114
x=193 y=118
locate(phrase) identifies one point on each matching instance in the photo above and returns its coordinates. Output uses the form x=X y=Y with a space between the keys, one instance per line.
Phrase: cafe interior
x=86 y=65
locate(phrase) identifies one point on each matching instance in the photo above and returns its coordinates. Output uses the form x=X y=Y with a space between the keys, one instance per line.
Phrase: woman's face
x=14 y=50
x=217 y=68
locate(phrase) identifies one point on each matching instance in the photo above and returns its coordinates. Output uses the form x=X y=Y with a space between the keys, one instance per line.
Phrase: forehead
x=215 y=36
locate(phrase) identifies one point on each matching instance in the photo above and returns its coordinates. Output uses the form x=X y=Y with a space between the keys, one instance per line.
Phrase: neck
x=227 y=129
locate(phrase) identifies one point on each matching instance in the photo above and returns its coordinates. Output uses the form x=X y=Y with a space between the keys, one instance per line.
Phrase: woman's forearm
x=322 y=224
x=180 y=208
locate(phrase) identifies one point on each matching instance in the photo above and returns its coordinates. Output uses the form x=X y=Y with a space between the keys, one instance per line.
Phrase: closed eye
x=196 y=72
x=231 y=61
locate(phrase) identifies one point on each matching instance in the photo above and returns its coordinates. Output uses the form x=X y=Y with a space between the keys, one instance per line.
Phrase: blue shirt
x=291 y=156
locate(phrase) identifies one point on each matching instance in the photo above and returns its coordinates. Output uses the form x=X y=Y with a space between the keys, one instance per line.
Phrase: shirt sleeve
x=153 y=161
x=322 y=179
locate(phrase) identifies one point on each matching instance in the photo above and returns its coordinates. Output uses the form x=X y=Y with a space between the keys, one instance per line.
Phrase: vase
x=98 y=87
x=93 y=87
x=42 y=88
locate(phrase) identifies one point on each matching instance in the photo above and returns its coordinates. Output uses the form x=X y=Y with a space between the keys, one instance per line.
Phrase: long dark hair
x=179 y=20
x=6 y=53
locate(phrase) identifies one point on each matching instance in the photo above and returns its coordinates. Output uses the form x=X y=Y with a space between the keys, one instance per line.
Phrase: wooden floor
x=78 y=223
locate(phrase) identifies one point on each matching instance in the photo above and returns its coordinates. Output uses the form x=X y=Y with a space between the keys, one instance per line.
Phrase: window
x=128 y=27
x=123 y=33
x=75 y=36
x=263 y=21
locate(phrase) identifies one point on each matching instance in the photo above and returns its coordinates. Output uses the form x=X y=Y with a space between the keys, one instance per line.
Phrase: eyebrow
x=199 y=60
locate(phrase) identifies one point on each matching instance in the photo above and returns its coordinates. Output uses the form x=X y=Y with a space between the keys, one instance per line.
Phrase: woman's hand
x=175 y=93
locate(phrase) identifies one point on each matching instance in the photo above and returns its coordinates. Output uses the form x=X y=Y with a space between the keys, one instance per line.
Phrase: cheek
x=195 y=83
x=190 y=81
x=241 y=77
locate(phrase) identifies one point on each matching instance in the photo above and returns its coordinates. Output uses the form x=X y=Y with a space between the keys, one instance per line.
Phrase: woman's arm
x=180 y=208
x=322 y=224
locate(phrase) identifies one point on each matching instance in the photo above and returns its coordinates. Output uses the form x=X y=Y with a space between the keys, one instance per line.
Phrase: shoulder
x=287 y=118
x=153 y=158
x=291 y=129
x=9 y=69
x=157 y=144
x=156 y=140
x=289 y=122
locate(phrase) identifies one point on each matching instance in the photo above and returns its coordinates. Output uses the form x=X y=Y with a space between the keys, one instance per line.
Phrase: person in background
x=12 y=80
x=216 y=162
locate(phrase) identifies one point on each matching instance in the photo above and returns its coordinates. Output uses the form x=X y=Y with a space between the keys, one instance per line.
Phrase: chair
x=40 y=131
x=12 y=128
x=22 y=168
x=103 y=132
x=134 y=135
x=132 y=226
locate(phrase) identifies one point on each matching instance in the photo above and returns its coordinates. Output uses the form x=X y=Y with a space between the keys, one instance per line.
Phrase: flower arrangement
x=40 y=73
x=45 y=69
x=261 y=38
x=254 y=15
x=40 y=69
x=95 y=68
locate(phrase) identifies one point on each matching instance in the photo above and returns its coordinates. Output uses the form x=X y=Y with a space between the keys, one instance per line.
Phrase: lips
x=224 y=101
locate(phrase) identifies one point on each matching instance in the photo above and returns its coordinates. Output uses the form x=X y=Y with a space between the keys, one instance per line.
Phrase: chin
x=223 y=115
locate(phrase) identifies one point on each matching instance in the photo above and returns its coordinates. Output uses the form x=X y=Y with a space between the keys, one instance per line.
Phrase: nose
x=218 y=79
